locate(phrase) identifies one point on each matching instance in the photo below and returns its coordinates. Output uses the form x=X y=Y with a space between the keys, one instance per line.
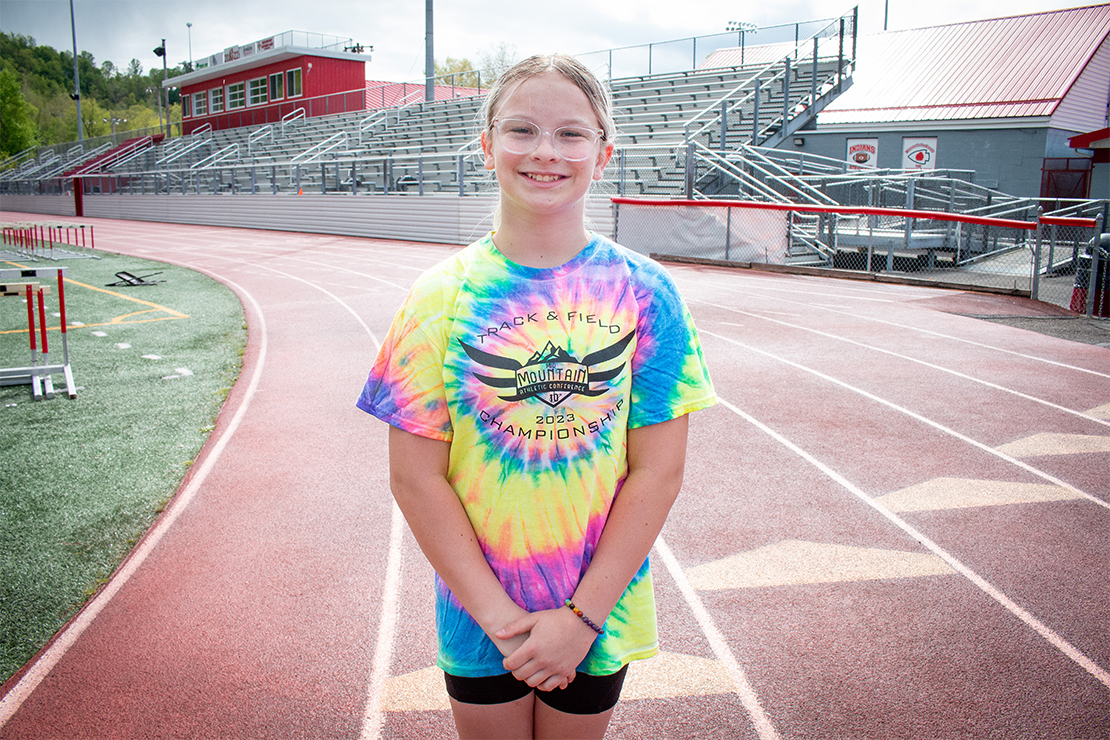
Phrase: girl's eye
x=569 y=133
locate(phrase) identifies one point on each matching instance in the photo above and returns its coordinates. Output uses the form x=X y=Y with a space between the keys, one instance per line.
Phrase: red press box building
x=264 y=81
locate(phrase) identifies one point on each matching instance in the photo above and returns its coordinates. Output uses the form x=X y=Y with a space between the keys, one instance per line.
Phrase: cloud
x=119 y=30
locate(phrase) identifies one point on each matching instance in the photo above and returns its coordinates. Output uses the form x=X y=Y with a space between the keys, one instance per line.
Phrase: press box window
x=257 y=91
x=186 y=106
x=236 y=95
x=217 y=99
x=277 y=86
x=200 y=103
x=293 y=82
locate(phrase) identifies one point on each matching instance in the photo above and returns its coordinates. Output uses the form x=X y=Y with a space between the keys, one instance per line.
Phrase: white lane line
x=387 y=628
x=972 y=342
x=718 y=643
x=372 y=716
x=11 y=702
x=1053 y=639
x=936 y=425
x=1083 y=415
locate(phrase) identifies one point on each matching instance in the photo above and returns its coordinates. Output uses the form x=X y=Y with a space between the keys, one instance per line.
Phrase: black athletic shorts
x=586 y=694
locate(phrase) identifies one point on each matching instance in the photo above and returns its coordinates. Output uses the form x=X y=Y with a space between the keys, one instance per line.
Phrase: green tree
x=18 y=130
x=459 y=72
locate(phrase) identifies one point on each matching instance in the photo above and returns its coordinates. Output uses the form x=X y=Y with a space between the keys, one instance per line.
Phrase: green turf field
x=83 y=478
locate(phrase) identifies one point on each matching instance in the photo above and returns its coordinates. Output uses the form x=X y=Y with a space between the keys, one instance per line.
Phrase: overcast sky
x=121 y=30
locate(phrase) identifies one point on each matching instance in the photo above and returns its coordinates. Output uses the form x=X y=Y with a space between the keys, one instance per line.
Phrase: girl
x=537 y=385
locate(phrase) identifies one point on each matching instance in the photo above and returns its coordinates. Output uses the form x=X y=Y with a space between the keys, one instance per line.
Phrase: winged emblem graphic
x=551 y=374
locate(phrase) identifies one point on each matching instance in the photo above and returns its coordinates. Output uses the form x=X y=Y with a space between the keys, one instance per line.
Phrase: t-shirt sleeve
x=405 y=388
x=669 y=374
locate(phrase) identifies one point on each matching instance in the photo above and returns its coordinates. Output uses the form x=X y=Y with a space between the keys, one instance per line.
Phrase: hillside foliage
x=36 y=87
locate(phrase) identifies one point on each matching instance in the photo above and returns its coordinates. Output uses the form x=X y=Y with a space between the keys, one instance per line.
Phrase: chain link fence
x=942 y=248
x=1073 y=265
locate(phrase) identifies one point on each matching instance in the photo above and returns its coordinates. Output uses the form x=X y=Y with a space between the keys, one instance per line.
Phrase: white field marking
x=849 y=293
x=389 y=617
x=11 y=702
x=957 y=373
x=387 y=628
x=418 y=269
x=1006 y=602
x=913 y=415
x=718 y=643
x=372 y=716
x=953 y=338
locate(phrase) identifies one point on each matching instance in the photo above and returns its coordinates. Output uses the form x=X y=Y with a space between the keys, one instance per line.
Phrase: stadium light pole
x=429 y=55
x=744 y=28
x=161 y=51
x=189 y=25
x=76 y=94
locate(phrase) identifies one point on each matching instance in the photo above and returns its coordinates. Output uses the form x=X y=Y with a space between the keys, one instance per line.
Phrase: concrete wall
x=1009 y=160
x=443 y=219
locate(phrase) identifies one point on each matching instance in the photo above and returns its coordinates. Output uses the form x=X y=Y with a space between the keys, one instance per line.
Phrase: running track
x=895 y=525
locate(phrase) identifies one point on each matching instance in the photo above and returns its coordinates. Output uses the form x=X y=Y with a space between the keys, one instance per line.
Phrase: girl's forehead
x=550 y=95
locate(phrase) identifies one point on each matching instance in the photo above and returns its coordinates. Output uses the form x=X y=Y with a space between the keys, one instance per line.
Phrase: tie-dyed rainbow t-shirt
x=534 y=376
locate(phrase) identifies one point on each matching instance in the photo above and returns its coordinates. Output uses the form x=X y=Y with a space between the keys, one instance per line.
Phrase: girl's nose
x=546 y=150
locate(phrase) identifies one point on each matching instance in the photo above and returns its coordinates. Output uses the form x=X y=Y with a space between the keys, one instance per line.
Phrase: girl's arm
x=418 y=479
x=559 y=640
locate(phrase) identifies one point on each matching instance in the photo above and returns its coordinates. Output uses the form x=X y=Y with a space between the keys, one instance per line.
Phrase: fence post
x=728 y=231
x=420 y=174
x=1092 y=274
x=755 y=112
x=840 y=59
x=813 y=80
x=689 y=170
x=786 y=93
x=620 y=170
x=462 y=185
x=1092 y=279
x=724 y=124
x=910 y=186
x=1035 y=287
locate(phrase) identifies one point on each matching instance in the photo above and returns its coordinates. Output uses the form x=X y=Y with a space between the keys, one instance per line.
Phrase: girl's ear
x=603 y=158
x=487 y=150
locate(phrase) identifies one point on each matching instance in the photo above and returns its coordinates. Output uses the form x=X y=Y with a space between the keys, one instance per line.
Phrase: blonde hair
x=570 y=68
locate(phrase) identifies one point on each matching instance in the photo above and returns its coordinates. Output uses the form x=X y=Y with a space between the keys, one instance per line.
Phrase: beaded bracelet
x=583 y=617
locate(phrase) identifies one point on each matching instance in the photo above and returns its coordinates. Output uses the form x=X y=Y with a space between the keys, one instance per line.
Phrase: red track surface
x=894 y=526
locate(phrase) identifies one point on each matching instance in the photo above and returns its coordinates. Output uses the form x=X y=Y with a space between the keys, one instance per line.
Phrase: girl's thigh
x=506 y=721
x=551 y=724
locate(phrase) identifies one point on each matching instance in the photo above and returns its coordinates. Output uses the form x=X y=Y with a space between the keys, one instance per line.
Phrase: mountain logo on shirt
x=551 y=374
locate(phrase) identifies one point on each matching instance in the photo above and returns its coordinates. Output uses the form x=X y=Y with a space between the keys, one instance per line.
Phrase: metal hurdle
x=38 y=239
x=24 y=281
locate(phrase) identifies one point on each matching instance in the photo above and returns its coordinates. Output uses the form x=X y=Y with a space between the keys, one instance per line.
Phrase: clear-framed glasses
x=572 y=143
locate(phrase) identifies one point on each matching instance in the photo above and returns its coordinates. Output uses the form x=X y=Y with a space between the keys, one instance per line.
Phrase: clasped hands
x=544 y=648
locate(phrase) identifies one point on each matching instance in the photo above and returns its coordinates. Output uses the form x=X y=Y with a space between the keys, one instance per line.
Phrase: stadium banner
x=863 y=154
x=919 y=153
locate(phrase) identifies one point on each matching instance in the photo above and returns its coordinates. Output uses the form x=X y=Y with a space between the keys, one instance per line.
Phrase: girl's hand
x=557 y=641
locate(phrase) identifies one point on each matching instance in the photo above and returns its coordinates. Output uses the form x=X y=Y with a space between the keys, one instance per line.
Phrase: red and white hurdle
x=38 y=239
x=24 y=282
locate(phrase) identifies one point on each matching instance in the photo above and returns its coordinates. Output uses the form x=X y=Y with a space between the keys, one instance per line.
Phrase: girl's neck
x=539 y=241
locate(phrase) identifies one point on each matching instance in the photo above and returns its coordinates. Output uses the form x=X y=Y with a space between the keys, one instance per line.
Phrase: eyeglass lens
x=523 y=137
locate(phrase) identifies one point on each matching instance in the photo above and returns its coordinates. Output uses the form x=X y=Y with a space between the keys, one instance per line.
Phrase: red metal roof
x=1091 y=140
x=1016 y=67
x=389 y=94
